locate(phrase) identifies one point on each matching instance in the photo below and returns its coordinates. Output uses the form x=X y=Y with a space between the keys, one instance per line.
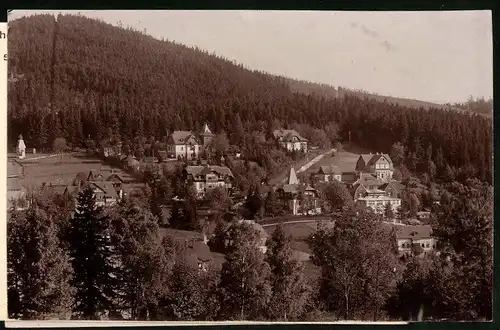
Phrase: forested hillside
x=77 y=77
x=328 y=91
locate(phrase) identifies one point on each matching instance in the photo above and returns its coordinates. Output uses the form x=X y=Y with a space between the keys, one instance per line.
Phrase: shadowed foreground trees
x=358 y=264
x=115 y=264
x=39 y=270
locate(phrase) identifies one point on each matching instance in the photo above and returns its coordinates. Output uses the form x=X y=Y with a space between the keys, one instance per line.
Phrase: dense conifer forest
x=76 y=78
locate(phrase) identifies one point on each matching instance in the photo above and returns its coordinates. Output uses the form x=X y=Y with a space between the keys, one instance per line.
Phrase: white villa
x=188 y=145
x=380 y=165
x=375 y=193
x=291 y=140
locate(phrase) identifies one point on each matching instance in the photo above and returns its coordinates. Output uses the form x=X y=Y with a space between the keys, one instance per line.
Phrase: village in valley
x=114 y=174
x=149 y=180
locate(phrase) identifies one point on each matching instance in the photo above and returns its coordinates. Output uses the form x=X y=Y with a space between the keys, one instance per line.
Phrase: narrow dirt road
x=300 y=165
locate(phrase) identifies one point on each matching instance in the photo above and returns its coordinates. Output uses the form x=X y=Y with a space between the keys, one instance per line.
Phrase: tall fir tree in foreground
x=245 y=288
x=358 y=261
x=290 y=292
x=92 y=259
x=39 y=270
x=144 y=263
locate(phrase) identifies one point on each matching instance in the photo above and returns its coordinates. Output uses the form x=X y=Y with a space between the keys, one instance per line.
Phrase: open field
x=296 y=165
x=60 y=170
x=345 y=159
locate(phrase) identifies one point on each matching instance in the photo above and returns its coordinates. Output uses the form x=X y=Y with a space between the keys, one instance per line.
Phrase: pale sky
x=431 y=56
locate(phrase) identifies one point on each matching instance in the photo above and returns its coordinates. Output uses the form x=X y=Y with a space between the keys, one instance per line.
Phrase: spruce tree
x=144 y=263
x=39 y=271
x=290 y=291
x=92 y=258
x=245 y=289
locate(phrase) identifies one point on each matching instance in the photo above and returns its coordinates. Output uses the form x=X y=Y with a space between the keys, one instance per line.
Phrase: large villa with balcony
x=208 y=177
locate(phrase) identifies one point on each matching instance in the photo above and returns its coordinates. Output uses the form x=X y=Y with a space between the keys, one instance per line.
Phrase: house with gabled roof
x=290 y=140
x=415 y=240
x=105 y=193
x=375 y=193
x=327 y=173
x=187 y=144
x=300 y=198
x=380 y=165
x=207 y=177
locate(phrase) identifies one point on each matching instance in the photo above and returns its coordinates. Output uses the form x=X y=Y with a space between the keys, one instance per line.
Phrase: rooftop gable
x=292 y=177
x=288 y=134
x=414 y=232
x=203 y=170
x=183 y=137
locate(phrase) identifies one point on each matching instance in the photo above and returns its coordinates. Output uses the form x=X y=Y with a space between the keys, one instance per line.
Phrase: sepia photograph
x=264 y=166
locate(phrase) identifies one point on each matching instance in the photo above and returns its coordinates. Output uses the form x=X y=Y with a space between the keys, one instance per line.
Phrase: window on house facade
x=427 y=245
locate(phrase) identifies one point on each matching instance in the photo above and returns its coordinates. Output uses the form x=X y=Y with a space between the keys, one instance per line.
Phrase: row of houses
x=190 y=145
x=370 y=182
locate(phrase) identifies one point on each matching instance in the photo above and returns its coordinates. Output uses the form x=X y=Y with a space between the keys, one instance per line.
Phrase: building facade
x=300 y=199
x=415 y=240
x=290 y=140
x=328 y=173
x=187 y=144
x=379 y=165
x=208 y=177
x=375 y=193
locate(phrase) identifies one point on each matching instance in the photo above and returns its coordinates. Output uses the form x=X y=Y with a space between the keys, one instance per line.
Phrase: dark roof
x=203 y=170
x=394 y=185
x=368 y=179
x=107 y=188
x=332 y=169
x=376 y=157
x=414 y=232
x=288 y=134
x=371 y=159
x=290 y=188
x=181 y=137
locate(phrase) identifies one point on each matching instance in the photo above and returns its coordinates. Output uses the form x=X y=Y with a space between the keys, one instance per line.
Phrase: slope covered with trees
x=77 y=77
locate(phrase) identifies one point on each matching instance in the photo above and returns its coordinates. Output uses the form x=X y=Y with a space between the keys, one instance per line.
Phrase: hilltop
x=324 y=90
x=81 y=78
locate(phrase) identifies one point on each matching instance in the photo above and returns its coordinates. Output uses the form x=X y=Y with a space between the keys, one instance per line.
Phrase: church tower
x=21 y=147
x=206 y=135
